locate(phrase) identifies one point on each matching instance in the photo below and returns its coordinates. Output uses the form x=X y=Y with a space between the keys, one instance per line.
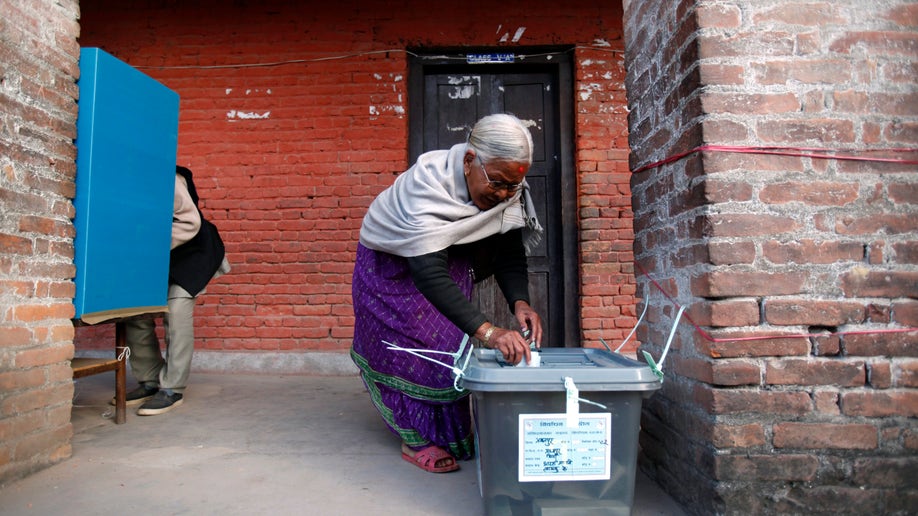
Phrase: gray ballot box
x=560 y=438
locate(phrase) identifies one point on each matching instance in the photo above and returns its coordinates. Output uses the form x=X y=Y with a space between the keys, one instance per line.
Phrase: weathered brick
x=736 y=372
x=12 y=428
x=901 y=501
x=903 y=193
x=729 y=283
x=830 y=499
x=825 y=436
x=733 y=312
x=811 y=132
x=725 y=130
x=50 y=440
x=808 y=251
x=747 y=225
x=25 y=401
x=816 y=371
x=869 y=224
x=886 y=403
x=826 y=402
x=876 y=253
x=724 y=347
x=810 y=13
x=744 y=43
x=812 y=193
x=15 y=336
x=739 y=436
x=751 y=467
x=861 y=282
x=718 y=191
x=723 y=74
x=826 y=345
x=15 y=244
x=910 y=438
x=906 y=252
x=741 y=401
x=720 y=372
x=21 y=379
x=813 y=312
x=733 y=253
x=805 y=71
x=868 y=343
x=878 y=313
x=879 y=374
x=46 y=226
x=719 y=16
x=44 y=356
x=749 y=104
x=905 y=312
x=890 y=472
x=905 y=373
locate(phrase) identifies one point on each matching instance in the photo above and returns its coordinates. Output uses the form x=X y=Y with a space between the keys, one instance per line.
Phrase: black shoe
x=138 y=395
x=160 y=403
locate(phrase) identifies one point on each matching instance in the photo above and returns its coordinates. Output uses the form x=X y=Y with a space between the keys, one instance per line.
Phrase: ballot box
x=560 y=438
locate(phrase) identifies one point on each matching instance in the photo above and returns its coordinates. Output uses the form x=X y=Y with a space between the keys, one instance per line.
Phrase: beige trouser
x=147 y=361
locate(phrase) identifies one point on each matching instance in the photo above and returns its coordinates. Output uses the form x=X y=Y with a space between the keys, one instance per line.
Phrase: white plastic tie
x=638 y=323
x=457 y=357
x=634 y=329
x=573 y=401
x=657 y=368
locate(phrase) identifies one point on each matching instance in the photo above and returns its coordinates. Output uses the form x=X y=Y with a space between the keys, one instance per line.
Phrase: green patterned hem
x=462 y=448
x=412 y=389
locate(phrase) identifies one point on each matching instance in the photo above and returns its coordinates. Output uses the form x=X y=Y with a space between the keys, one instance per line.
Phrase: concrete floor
x=251 y=444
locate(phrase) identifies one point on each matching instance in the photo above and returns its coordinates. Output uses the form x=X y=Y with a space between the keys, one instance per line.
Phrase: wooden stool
x=90 y=366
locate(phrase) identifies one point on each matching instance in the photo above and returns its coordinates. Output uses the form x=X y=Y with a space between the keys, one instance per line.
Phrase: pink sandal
x=427 y=459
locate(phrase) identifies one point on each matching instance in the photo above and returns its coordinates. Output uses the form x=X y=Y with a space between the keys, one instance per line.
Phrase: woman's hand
x=511 y=343
x=529 y=321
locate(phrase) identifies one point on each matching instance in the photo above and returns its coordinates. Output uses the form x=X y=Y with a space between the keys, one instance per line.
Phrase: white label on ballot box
x=551 y=451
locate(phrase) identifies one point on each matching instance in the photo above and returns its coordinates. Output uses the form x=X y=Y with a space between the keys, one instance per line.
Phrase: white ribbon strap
x=456 y=370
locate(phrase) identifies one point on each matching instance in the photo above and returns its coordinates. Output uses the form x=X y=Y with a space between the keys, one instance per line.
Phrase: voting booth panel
x=127 y=135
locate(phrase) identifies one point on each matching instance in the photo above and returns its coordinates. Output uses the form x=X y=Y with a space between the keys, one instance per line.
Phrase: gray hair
x=502 y=137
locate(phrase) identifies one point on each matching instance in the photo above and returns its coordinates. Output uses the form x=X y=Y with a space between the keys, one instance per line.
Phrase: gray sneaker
x=138 y=395
x=161 y=402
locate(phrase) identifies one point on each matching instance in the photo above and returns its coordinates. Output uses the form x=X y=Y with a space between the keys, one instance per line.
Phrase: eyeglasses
x=498 y=185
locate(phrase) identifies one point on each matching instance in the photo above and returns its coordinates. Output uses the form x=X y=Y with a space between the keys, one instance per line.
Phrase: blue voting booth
x=127 y=134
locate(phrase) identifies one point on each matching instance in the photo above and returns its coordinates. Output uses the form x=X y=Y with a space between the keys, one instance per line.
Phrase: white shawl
x=428 y=209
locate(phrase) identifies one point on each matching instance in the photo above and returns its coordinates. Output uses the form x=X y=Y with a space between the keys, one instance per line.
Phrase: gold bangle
x=487 y=335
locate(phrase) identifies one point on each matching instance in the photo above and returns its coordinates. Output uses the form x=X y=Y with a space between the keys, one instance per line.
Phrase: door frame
x=557 y=60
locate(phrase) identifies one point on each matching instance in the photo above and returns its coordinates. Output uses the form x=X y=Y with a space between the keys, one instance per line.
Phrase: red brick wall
x=767 y=247
x=606 y=233
x=38 y=101
x=290 y=155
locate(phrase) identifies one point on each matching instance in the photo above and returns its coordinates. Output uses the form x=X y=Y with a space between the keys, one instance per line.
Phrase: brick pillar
x=603 y=196
x=814 y=260
x=38 y=68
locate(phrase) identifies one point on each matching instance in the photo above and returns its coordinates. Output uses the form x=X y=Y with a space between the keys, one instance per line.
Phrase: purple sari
x=415 y=397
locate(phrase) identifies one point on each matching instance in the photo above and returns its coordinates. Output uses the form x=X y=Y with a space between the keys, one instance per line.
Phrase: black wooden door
x=454 y=98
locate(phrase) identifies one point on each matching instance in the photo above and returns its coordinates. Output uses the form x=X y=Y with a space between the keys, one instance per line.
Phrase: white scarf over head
x=429 y=208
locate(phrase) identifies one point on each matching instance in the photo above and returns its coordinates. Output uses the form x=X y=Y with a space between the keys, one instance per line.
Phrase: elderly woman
x=454 y=218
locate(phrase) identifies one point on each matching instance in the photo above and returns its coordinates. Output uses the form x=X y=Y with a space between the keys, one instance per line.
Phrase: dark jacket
x=194 y=263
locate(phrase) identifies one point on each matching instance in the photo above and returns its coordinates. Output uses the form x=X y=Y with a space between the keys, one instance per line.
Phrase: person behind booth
x=197 y=256
x=454 y=218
